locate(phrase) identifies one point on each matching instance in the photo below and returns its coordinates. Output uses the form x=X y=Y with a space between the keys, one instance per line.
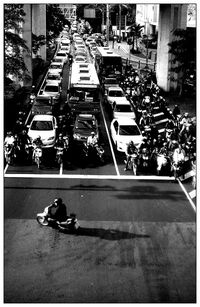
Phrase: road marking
x=111 y=147
x=187 y=175
x=187 y=195
x=5 y=170
x=78 y=176
x=61 y=168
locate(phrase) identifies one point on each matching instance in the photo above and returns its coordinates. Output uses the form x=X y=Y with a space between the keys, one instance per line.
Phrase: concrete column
x=26 y=33
x=39 y=25
x=171 y=17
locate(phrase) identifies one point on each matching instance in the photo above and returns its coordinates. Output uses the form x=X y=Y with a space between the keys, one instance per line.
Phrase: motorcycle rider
x=92 y=140
x=24 y=138
x=61 y=142
x=9 y=139
x=37 y=143
x=178 y=155
x=131 y=150
x=57 y=211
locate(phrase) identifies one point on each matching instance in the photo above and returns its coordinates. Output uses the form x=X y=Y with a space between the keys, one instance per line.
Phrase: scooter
x=133 y=163
x=37 y=155
x=71 y=223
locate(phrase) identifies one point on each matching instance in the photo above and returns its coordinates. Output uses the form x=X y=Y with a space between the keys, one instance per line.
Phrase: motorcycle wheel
x=37 y=161
x=42 y=220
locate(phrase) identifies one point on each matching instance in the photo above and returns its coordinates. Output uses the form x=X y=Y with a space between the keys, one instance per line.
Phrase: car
x=80 y=59
x=84 y=125
x=54 y=66
x=42 y=105
x=65 y=49
x=51 y=90
x=62 y=55
x=44 y=126
x=123 y=130
x=109 y=82
x=89 y=40
x=115 y=94
x=58 y=60
x=53 y=77
x=124 y=109
x=81 y=53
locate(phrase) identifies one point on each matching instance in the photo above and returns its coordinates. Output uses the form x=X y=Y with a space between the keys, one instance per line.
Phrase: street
x=136 y=243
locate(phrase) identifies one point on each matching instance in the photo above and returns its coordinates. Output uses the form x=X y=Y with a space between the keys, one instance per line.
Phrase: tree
x=37 y=42
x=135 y=31
x=183 y=50
x=14 y=45
x=55 y=21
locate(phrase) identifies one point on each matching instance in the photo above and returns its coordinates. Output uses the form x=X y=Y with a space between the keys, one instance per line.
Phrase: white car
x=80 y=59
x=44 y=126
x=56 y=67
x=62 y=55
x=123 y=109
x=53 y=77
x=51 y=89
x=123 y=130
x=115 y=94
x=58 y=60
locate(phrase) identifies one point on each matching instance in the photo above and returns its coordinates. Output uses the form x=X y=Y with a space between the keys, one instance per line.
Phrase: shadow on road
x=107 y=234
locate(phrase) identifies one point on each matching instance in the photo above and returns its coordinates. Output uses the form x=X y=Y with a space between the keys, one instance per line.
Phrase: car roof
x=125 y=102
x=115 y=88
x=125 y=121
x=85 y=116
x=43 y=117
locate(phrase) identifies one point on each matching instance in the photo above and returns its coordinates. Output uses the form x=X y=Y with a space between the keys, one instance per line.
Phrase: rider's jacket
x=92 y=141
x=131 y=149
x=60 y=144
x=59 y=213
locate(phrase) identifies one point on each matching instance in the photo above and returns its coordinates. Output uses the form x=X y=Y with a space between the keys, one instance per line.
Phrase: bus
x=107 y=62
x=84 y=89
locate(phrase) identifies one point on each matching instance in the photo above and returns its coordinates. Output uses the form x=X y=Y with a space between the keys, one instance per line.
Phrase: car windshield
x=58 y=60
x=51 y=88
x=41 y=125
x=54 y=66
x=116 y=94
x=61 y=54
x=123 y=108
x=53 y=77
x=129 y=130
x=83 y=124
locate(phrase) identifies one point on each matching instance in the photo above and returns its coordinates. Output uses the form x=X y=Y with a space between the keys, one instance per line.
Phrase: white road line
x=111 y=147
x=98 y=177
x=187 y=195
x=5 y=169
x=61 y=169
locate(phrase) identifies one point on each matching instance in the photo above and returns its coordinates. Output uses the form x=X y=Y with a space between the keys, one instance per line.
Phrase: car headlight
x=51 y=138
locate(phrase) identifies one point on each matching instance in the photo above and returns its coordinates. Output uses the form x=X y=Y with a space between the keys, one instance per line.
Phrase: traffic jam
x=95 y=111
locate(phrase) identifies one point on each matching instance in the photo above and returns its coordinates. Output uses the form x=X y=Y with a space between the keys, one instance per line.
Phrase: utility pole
x=107 y=24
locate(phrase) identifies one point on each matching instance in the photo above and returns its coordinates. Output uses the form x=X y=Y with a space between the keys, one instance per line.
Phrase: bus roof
x=107 y=52
x=84 y=75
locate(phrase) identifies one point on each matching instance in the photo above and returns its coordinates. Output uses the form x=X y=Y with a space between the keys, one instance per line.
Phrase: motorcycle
x=133 y=163
x=178 y=169
x=162 y=162
x=37 y=155
x=71 y=223
x=96 y=152
x=8 y=153
x=144 y=159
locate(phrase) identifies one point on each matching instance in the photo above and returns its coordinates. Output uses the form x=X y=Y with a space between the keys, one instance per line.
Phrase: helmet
x=9 y=133
x=92 y=133
x=186 y=114
x=58 y=201
x=60 y=134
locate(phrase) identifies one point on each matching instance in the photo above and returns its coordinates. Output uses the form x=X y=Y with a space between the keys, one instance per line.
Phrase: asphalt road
x=137 y=242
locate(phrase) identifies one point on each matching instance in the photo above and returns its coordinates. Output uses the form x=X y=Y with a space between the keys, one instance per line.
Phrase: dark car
x=42 y=105
x=84 y=125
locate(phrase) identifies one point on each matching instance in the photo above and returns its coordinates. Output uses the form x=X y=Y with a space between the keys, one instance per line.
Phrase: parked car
x=115 y=94
x=62 y=55
x=44 y=126
x=84 y=125
x=123 y=130
x=123 y=109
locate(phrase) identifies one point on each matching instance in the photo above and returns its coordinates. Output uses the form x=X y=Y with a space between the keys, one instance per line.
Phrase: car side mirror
x=28 y=126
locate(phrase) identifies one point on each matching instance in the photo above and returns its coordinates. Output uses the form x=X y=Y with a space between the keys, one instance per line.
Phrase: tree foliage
x=37 y=42
x=135 y=31
x=55 y=21
x=14 y=44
